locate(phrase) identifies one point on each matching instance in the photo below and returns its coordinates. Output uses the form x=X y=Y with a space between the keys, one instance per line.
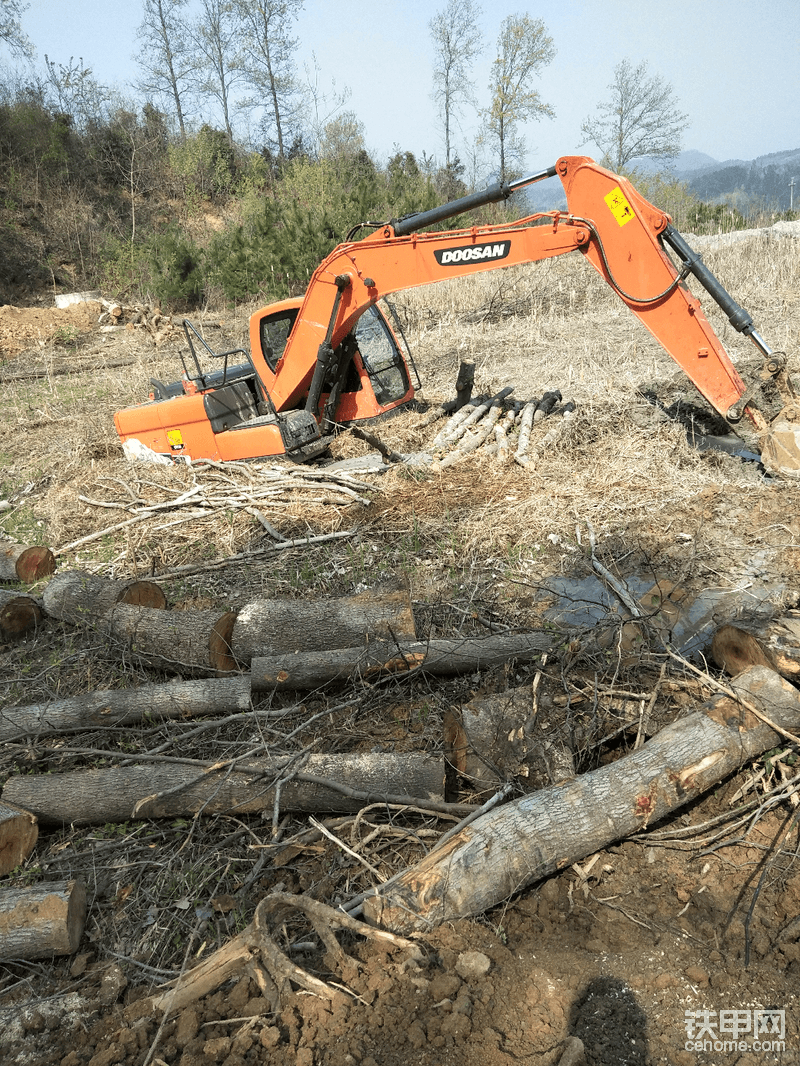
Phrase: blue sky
x=734 y=64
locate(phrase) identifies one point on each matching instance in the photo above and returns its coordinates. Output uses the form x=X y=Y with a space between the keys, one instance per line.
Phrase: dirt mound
x=37 y=327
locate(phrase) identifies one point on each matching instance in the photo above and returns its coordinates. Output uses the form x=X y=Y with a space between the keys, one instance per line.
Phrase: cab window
x=275 y=330
x=381 y=358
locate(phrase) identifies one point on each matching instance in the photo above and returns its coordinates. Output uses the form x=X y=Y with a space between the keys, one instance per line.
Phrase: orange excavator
x=331 y=356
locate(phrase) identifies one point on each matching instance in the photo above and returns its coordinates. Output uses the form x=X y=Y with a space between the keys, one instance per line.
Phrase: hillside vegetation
x=114 y=200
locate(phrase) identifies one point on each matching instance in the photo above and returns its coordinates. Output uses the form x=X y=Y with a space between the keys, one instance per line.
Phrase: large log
x=514 y=845
x=26 y=564
x=269 y=627
x=117 y=794
x=192 y=643
x=76 y=596
x=42 y=920
x=180 y=699
x=19 y=614
x=18 y=835
x=440 y=658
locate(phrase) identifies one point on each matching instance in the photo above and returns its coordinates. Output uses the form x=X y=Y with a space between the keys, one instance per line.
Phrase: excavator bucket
x=780 y=445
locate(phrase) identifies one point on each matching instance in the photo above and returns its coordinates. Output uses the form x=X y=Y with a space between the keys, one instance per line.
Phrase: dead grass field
x=476 y=544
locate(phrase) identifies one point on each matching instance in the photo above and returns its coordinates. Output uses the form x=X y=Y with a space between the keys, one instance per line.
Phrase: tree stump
x=42 y=920
x=26 y=564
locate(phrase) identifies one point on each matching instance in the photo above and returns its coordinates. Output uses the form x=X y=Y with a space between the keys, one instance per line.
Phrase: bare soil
x=615 y=950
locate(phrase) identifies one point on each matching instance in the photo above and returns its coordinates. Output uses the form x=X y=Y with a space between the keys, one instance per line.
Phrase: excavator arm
x=607 y=221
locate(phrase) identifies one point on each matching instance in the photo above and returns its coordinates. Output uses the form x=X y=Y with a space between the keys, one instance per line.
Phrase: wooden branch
x=117 y=794
x=441 y=658
x=521 y=842
x=181 y=699
x=389 y=456
x=76 y=596
x=19 y=614
x=267 y=627
x=26 y=564
x=42 y=920
x=18 y=834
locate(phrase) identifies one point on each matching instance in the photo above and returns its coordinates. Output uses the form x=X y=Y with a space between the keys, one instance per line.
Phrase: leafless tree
x=456 y=42
x=269 y=61
x=165 y=55
x=11 y=32
x=640 y=118
x=217 y=47
x=523 y=49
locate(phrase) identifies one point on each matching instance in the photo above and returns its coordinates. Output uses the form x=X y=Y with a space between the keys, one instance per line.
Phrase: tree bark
x=18 y=835
x=441 y=658
x=26 y=564
x=76 y=596
x=118 y=794
x=270 y=627
x=521 y=842
x=192 y=643
x=42 y=920
x=180 y=699
x=19 y=614
x=498 y=738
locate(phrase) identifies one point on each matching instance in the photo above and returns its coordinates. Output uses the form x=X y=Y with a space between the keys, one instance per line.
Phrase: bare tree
x=456 y=41
x=523 y=49
x=217 y=47
x=640 y=118
x=11 y=32
x=165 y=55
x=269 y=61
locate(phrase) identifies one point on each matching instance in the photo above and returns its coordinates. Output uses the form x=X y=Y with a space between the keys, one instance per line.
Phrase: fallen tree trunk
x=42 y=920
x=19 y=614
x=75 y=596
x=269 y=627
x=18 y=835
x=117 y=794
x=441 y=658
x=180 y=699
x=26 y=564
x=192 y=643
x=511 y=847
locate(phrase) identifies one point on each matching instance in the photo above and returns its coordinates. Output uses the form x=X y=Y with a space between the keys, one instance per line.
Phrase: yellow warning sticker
x=175 y=438
x=619 y=206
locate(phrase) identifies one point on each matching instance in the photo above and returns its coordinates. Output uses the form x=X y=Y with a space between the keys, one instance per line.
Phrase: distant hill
x=763 y=181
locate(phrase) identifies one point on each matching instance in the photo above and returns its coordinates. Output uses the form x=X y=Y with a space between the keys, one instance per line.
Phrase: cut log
x=42 y=920
x=26 y=564
x=191 y=643
x=514 y=845
x=117 y=794
x=439 y=658
x=19 y=614
x=76 y=596
x=781 y=640
x=181 y=699
x=733 y=650
x=269 y=627
x=498 y=738
x=18 y=835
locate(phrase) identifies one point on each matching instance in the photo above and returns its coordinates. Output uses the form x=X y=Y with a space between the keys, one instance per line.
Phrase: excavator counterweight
x=331 y=357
